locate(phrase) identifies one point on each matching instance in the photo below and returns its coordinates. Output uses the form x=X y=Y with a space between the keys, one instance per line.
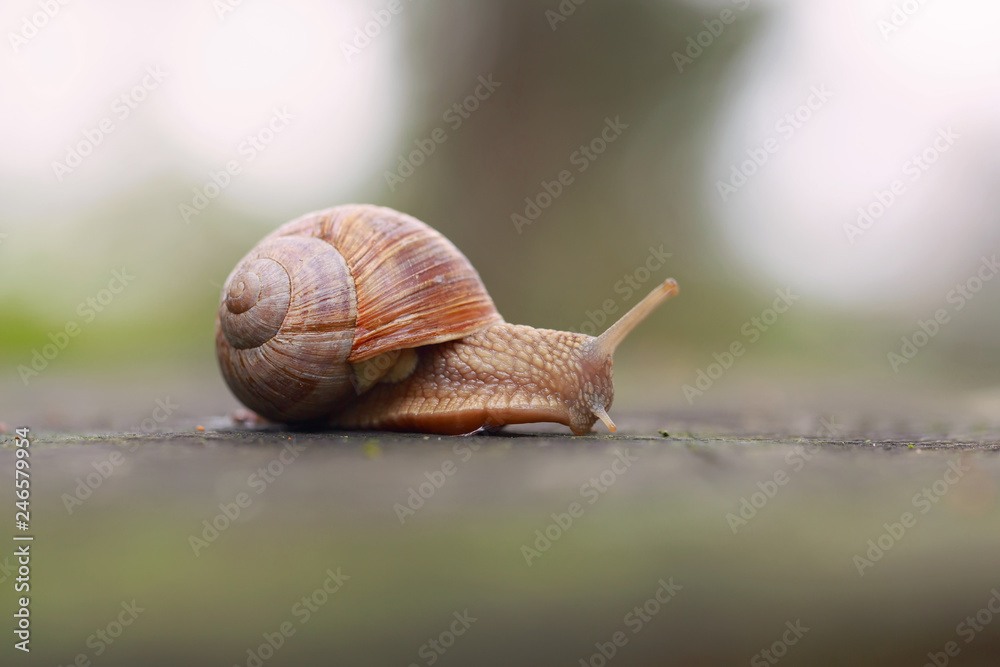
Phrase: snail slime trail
x=363 y=317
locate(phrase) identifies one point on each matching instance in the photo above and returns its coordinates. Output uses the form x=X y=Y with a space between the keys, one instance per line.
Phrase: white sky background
x=224 y=78
x=890 y=97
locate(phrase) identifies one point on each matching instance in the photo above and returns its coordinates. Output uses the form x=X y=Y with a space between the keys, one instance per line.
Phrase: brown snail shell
x=330 y=290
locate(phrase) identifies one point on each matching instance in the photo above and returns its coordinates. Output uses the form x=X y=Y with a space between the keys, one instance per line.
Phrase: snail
x=362 y=317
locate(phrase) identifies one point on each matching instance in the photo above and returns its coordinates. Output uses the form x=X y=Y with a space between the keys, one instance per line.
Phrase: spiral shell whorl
x=286 y=322
x=244 y=293
x=256 y=303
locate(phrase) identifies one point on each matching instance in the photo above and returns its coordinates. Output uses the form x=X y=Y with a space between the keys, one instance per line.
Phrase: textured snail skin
x=505 y=374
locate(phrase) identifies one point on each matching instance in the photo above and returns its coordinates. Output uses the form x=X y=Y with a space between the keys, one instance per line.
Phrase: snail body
x=363 y=317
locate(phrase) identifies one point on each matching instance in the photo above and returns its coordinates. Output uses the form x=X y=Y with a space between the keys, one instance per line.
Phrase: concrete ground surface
x=708 y=537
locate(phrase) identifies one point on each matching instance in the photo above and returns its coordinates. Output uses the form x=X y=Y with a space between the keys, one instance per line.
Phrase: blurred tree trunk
x=559 y=82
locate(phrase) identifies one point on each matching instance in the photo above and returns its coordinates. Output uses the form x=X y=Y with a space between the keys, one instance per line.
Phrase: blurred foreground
x=827 y=542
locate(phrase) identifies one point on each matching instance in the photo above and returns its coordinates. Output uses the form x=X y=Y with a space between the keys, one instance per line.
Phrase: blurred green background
x=357 y=111
x=757 y=139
